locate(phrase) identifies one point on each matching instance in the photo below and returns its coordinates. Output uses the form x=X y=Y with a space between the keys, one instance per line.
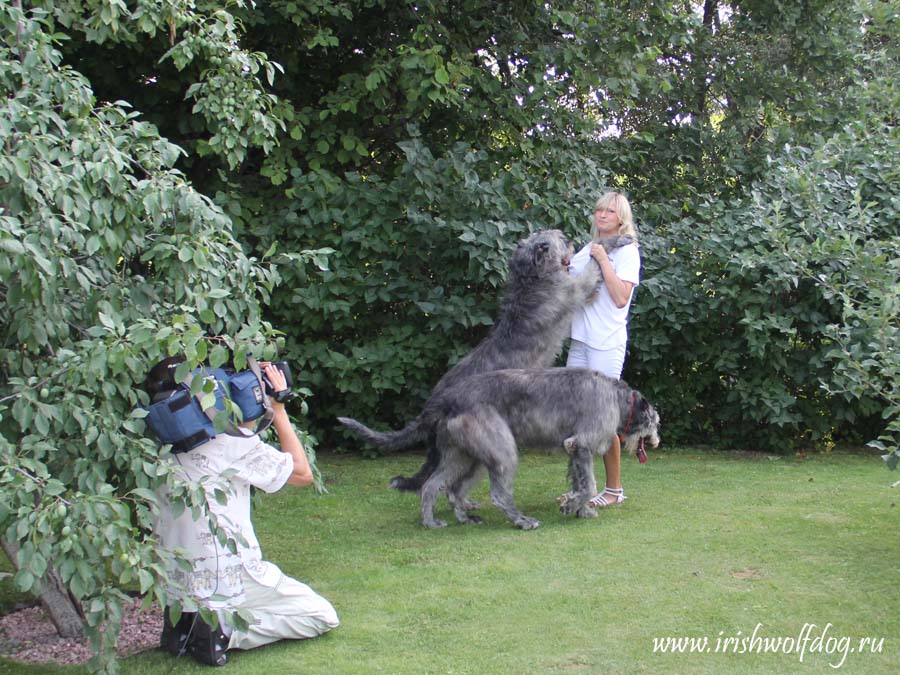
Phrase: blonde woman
x=600 y=328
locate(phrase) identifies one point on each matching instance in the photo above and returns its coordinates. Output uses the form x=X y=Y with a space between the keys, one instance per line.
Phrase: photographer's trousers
x=289 y=610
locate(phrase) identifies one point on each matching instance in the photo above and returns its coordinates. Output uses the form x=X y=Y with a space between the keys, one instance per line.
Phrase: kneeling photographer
x=234 y=462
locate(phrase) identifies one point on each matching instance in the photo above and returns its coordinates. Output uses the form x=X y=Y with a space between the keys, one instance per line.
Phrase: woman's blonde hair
x=623 y=210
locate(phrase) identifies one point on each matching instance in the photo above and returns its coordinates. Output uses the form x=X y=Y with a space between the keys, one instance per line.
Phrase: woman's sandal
x=609 y=497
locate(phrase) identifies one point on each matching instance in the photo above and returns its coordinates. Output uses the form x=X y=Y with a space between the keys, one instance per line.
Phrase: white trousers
x=290 y=610
x=607 y=361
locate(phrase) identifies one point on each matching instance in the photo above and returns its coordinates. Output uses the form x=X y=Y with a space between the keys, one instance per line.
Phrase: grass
x=709 y=545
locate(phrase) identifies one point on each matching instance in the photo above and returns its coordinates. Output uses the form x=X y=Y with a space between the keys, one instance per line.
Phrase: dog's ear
x=642 y=404
x=644 y=408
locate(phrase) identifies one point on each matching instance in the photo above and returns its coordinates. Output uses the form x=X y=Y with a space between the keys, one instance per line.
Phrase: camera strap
x=269 y=415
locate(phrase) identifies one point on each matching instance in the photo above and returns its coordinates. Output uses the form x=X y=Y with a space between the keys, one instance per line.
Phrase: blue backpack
x=180 y=420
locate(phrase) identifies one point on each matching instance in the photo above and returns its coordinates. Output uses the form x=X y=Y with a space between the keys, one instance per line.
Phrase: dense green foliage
x=189 y=177
x=110 y=261
x=770 y=314
x=698 y=108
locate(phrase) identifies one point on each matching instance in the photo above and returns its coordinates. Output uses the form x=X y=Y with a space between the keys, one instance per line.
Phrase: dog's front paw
x=577 y=504
x=434 y=523
x=564 y=499
x=526 y=523
x=586 y=511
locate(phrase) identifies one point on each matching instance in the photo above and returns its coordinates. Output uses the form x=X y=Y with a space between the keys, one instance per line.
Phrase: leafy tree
x=110 y=261
x=743 y=78
x=423 y=144
x=682 y=109
x=867 y=339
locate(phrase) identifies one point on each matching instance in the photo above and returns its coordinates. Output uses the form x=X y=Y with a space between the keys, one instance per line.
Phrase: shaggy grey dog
x=535 y=317
x=481 y=422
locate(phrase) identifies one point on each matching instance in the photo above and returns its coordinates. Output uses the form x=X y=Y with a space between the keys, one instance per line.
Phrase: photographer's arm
x=302 y=475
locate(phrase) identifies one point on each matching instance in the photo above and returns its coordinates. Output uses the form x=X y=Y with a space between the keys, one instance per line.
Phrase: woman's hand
x=619 y=291
x=598 y=253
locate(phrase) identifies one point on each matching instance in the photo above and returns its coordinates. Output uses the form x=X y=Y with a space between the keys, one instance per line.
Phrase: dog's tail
x=415 y=482
x=390 y=441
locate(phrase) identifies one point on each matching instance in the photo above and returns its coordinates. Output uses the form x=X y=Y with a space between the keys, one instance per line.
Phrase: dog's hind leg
x=502 y=496
x=486 y=437
x=457 y=494
x=429 y=494
x=502 y=473
x=455 y=467
x=460 y=489
x=431 y=488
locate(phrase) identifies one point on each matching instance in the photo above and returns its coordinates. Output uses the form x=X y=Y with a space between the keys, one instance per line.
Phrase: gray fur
x=481 y=423
x=535 y=317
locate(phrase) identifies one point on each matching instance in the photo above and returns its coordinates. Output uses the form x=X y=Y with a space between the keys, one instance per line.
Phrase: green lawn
x=709 y=545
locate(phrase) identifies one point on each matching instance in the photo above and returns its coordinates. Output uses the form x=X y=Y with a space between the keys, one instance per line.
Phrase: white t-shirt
x=600 y=324
x=215 y=577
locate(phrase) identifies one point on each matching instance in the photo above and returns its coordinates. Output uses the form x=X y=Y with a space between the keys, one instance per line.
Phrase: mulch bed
x=27 y=635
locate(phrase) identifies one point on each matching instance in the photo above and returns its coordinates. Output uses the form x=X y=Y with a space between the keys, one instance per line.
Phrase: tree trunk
x=59 y=605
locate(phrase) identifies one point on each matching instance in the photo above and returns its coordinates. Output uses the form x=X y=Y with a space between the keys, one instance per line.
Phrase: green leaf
x=146 y=580
x=24 y=581
x=11 y=246
x=218 y=356
x=146 y=495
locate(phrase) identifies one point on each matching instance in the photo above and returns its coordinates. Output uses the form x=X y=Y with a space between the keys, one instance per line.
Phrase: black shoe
x=174 y=639
x=208 y=645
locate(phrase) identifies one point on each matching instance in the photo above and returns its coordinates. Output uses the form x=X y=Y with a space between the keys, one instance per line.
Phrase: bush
x=418 y=266
x=770 y=320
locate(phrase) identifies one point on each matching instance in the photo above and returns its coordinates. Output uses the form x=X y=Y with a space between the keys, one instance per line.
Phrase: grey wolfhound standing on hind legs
x=535 y=317
x=481 y=423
